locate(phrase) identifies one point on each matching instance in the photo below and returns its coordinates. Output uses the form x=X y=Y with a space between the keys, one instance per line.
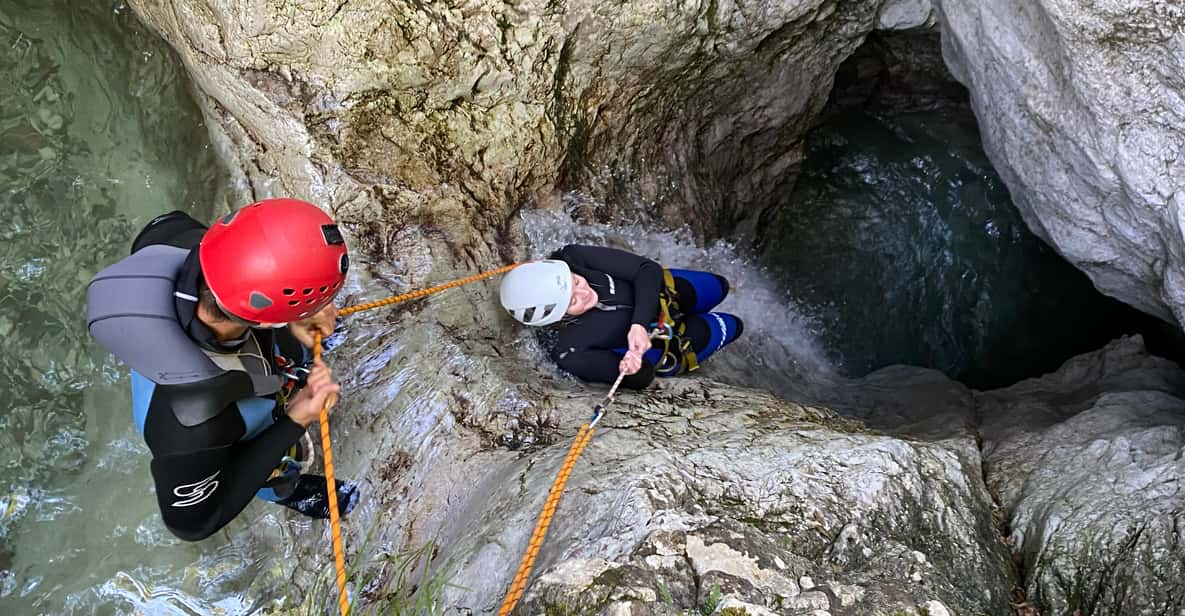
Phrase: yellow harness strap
x=670 y=316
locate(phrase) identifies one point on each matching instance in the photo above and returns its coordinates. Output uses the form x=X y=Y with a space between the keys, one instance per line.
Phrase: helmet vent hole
x=308 y=290
x=289 y=291
x=259 y=301
x=324 y=288
x=293 y=302
x=547 y=310
x=309 y=301
x=529 y=314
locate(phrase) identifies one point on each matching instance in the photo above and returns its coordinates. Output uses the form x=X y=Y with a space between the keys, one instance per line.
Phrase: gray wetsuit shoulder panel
x=130 y=310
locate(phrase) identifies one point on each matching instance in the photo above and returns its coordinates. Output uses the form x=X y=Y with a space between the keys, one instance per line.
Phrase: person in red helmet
x=216 y=324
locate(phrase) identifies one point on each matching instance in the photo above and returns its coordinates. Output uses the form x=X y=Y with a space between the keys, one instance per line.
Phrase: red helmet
x=275 y=261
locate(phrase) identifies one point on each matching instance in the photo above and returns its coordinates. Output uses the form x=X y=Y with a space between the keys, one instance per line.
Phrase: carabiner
x=658 y=332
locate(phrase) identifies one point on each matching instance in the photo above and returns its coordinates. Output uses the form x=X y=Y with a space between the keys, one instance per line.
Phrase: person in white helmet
x=603 y=304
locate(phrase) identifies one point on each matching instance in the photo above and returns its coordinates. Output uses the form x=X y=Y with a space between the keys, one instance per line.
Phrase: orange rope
x=326 y=448
x=424 y=292
x=553 y=500
x=553 y=497
x=549 y=507
x=339 y=555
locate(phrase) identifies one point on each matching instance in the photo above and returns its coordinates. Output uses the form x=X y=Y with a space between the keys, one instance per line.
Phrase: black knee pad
x=697 y=330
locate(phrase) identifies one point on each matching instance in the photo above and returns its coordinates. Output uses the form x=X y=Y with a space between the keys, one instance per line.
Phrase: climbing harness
x=326 y=447
x=669 y=330
x=553 y=500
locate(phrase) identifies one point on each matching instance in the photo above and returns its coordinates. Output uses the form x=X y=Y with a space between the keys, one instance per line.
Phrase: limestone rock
x=737 y=608
x=424 y=125
x=1080 y=108
x=906 y=15
x=1089 y=462
x=936 y=608
x=448 y=115
x=704 y=508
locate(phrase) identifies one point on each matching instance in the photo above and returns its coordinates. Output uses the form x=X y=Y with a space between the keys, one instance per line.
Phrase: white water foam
x=779 y=351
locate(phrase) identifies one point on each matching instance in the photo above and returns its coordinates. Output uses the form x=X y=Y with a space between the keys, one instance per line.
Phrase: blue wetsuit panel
x=722 y=328
x=256 y=414
x=142 y=389
x=709 y=292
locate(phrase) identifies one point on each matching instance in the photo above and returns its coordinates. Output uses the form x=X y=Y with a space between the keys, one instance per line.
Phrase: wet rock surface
x=698 y=493
x=1088 y=461
x=448 y=115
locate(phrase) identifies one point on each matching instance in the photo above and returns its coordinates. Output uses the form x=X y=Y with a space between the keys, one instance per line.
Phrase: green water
x=98 y=133
x=903 y=243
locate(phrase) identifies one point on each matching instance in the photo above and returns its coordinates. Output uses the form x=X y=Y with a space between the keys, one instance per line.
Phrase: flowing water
x=779 y=350
x=98 y=134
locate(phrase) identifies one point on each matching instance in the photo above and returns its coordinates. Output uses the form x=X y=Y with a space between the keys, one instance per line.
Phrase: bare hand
x=319 y=392
x=306 y=330
x=639 y=340
x=631 y=363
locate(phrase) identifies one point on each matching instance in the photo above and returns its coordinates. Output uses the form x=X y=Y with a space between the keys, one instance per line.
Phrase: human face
x=583 y=297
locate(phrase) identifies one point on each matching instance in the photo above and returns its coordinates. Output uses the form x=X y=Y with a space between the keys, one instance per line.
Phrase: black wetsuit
x=591 y=345
x=206 y=474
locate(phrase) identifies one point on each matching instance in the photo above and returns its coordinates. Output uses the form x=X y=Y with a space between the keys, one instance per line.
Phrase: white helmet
x=537 y=293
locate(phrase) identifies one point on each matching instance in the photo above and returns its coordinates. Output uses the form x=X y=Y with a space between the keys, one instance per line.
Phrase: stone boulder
x=694 y=494
x=1088 y=461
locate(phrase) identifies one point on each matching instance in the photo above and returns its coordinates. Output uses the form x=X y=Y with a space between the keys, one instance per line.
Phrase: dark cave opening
x=903 y=243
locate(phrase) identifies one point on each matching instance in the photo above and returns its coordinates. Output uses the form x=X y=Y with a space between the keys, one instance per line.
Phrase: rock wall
x=449 y=115
x=691 y=496
x=1089 y=462
x=1081 y=110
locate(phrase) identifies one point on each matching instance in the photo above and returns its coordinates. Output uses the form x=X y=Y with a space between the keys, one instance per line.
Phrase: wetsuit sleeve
x=599 y=365
x=204 y=475
x=644 y=274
